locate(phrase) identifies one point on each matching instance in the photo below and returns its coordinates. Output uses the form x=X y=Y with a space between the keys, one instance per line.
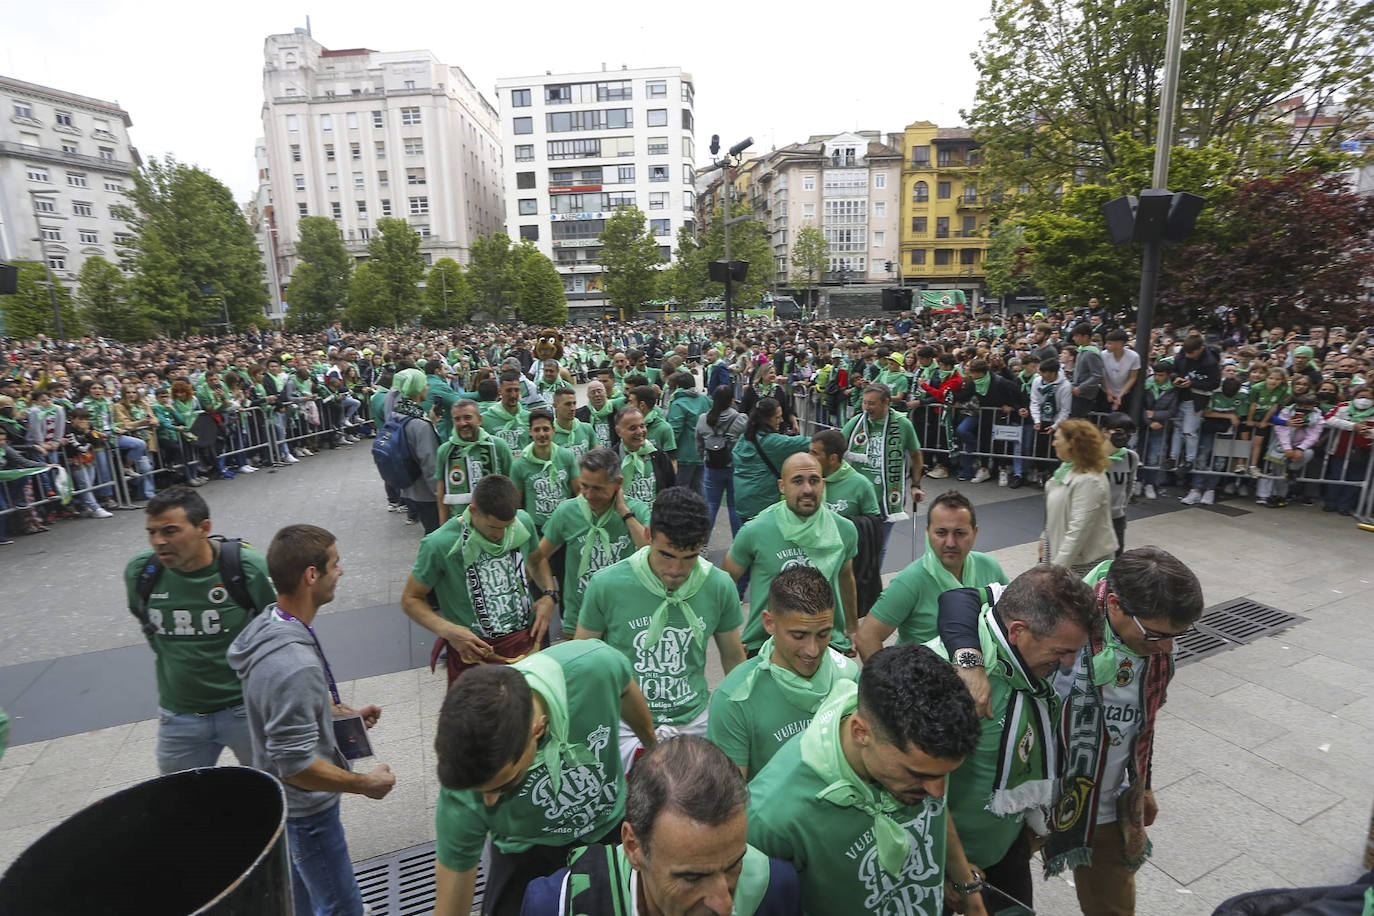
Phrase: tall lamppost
x=47 y=266
x=728 y=271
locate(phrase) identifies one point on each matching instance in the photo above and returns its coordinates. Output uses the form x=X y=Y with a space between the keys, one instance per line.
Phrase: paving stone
x=86 y=751
x=1186 y=834
x=1220 y=718
x=1205 y=678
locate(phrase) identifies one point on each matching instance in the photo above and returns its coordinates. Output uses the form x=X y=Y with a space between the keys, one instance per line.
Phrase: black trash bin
x=209 y=841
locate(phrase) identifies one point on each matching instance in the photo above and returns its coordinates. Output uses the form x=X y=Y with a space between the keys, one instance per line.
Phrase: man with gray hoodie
x=288 y=689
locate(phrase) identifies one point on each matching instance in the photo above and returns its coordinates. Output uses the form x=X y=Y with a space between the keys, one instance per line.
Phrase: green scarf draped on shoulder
x=817 y=534
x=545 y=676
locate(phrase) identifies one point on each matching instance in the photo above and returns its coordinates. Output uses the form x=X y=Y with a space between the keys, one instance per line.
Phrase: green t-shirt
x=911 y=602
x=590 y=799
x=512 y=428
x=874 y=458
x=578 y=440
x=440 y=395
x=1262 y=398
x=851 y=496
x=672 y=673
x=833 y=847
x=196 y=620
x=541 y=494
x=500 y=579
x=899 y=382
x=659 y=432
x=568 y=526
x=759 y=548
x=751 y=731
x=1237 y=404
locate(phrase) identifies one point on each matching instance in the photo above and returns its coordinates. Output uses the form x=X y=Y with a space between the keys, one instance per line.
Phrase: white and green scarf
x=658 y=618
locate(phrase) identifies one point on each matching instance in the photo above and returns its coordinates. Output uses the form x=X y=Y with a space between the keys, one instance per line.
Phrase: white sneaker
x=290 y=458
x=101 y=513
x=307 y=452
x=246 y=469
x=1151 y=492
x=1192 y=498
x=1208 y=498
x=1138 y=488
x=1003 y=477
x=981 y=475
x=937 y=472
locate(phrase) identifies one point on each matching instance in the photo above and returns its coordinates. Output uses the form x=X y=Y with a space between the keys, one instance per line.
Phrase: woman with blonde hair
x=1078 y=508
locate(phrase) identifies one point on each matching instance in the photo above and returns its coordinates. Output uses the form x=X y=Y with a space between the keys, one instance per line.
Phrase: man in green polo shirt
x=911 y=601
x=856 y=801
x=1040 y=622
x=774 y=695
x=465 y=457
x=527 y=757
x=800 y=531
x=544 y=473
x=882 y=445
x=507 y=419
x=596 y=529
x=847 y=492
x=568 y=431
x=658 y=607
x=477 y=564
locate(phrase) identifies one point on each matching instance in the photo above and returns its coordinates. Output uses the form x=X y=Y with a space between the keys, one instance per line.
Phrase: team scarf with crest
x=891 y=460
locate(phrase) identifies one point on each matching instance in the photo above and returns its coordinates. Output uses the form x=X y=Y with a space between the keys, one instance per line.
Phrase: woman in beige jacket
x=1078 y=505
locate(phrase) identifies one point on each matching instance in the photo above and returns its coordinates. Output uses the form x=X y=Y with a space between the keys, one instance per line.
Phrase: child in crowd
x=1294 y=443
x=1121 y=471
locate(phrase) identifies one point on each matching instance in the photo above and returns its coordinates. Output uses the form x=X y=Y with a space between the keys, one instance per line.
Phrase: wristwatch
x=972 y=887
x=627 y=516
x=968 y=658
x=548 y=593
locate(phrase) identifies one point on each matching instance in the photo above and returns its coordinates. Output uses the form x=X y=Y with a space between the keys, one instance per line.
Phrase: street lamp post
x=735 y=155
x=47 y=266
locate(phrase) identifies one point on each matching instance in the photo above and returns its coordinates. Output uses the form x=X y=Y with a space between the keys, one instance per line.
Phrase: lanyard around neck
x=333 y=687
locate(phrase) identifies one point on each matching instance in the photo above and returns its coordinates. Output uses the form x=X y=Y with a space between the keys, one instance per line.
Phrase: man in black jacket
x=1197 y=373
x=981 y=393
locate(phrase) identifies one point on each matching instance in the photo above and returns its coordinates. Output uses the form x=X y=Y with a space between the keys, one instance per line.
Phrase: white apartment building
x=65 y=161
x=357 y=135
x=261 y=216
x=577 y=146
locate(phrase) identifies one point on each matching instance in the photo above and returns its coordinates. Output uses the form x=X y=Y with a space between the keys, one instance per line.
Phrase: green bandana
x=1157 y=389
x=634 y=465
x=802 y=692
x=595 y=532
x=527 y=453
x=981 y=385
x=817 y=535
x=600 y=881
x=658 y=619
x=510 y=420
x=1359 y=416
x=474 y=542
x=944 y=580
x=1088 y=348
x=545 y=676
x=186 y=411
x=821 y=751
x=1061 y=473
x=843 y=472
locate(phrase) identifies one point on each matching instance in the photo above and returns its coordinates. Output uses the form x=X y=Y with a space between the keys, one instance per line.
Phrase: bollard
x=207 y=841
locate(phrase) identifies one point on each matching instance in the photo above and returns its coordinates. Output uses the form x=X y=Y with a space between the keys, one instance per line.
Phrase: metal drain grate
x=1230 y=624
x=401 y=883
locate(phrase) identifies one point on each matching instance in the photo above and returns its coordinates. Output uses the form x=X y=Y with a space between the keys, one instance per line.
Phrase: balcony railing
x=47 y=154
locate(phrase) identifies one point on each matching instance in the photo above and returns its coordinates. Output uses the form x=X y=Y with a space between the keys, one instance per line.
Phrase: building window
x=808 y=211
x=332 y=180
x=615 y=147
x=968 y=256
x=419 y=206
x=880 y=180
x=386 y=206
x=879 y=238
x=383 y=178
x=808 y=182
x=123 y=238
x=46 y=205
x=363 y=232
x=63 y=118
x=689 y=200
x=524 y=125
x=524 y=180
x=619 y=199
x=593 y=119
x=352 y=120
x=295 y=152
x=942 y=227
x=329 y=152
x=427 y=256
x=410 y=115
x=918 y=257
x=358 y=181
x=528 y=206
x=920 y=158
x=519 y=98
x=114 y=184
x=658 y=200
x=524 y=152
x=77 y=179
x=626 y=173
x=970 y=226
x=300 y=182
x=943 y=190
x=658 y=146
x=362 y=209
x=660 y=227
x=326 y=122
x=69 y=147
x=920 y=192
x=379 y=148
x=970 y=193
x=415 y=176
x=656 y=89
x=302 y=209
x=658 y=173
x=377 y=119
x=50 y=234
x=293 y=123
x=880 y=208
x=919 y=224
x=688 y=174
x=658 y=117
x=687 y=123
x=355 y=151
x=38 y=173
x=57 y=261
x=529 y=232
x=23 y=109
x=336 y=209
x=942 y=257
x=414 y=146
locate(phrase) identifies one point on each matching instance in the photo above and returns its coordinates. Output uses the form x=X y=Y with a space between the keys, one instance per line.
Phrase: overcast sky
x=190 y=73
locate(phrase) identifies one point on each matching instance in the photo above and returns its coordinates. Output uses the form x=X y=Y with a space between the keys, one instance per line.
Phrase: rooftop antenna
x=307 y=27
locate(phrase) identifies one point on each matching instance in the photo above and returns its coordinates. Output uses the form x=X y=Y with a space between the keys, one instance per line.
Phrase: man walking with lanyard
x=847 y=492
x=1146 y=599
x=799 y=531
x=1010 y=782
x=911 y=602
x=469 y=454
x=599 y=413
x=545 y=474
x=774 y=695
x=687 y=601
x=507 y=419
x=476 y=563
x=596 y=529
x=882 y=445
x=856 y=802
x=568 y=431
x=646 y=468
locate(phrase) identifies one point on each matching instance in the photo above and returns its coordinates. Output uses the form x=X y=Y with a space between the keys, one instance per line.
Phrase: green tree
x=685 y=279
x=318 y=292
x=367 y=302
x=394 y=253
x=1005 y=263
x=28 y=311
x=629 y=260
x=493 y=275
x=748 y=242
x=448 y=296
x=193 y=255
x=542 y=299
x=102 y=299
x=810 y=254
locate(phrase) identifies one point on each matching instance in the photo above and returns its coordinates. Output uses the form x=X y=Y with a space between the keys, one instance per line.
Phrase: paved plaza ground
x=1262 y=764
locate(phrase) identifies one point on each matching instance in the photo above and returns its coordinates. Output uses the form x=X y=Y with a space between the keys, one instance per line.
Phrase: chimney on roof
x=603 y=66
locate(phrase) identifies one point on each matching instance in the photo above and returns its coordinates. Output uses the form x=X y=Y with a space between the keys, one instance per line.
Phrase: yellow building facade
x=944 y=225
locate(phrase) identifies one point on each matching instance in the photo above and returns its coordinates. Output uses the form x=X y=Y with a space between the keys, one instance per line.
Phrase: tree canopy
x=542 y=299
x=494 y=276
x=318 y=292
x=102 y=298
x=394 y=255
x=448 y=296
x=629 y=260
x=28 y=311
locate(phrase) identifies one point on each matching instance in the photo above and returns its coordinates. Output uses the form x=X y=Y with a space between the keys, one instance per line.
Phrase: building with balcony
x=65 y=162
x=357 y=135
x=944 y=223
x=578 y=146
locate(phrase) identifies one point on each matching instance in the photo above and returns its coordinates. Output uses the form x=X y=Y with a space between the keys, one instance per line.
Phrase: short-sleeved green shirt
x=852 y=496
x=590 y=799
x=513 y=428
x=196 y=620
x=672 y=673
x=568 y=526
x=578 y=440
x=541 y=494
x=911 y=602
x=505 y=594
x=759 y=548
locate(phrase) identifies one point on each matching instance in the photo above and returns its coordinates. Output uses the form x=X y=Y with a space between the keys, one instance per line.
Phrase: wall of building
x=944 y=239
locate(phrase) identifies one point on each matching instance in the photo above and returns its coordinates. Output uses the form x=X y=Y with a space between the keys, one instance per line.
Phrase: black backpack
x=719 y=453
x=230 y=570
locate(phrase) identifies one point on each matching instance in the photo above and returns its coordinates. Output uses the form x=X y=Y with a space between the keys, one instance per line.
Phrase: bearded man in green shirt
x=507 y=419
x=856 y=801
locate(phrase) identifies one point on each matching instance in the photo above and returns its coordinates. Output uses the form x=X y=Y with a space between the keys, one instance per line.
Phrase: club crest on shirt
x=1026 y=745
x=1125 y=672
x=218 y=594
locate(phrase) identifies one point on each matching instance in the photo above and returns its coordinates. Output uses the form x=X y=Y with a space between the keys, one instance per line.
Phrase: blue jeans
x=1025 y=448
x=967 y=431
x=721 y=482
x=322 y=881
x=691 y=477
x=187 y=740
x=1186 y=433
x=1154 y=450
